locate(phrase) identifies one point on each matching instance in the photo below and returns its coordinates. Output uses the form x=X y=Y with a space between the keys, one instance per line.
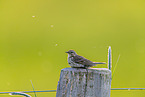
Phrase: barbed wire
x=55 y=90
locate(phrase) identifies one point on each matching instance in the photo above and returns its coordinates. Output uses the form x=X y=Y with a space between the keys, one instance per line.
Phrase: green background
x=34 y=35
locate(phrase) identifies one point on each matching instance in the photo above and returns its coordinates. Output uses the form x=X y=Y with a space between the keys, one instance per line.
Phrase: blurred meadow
x=34 y=35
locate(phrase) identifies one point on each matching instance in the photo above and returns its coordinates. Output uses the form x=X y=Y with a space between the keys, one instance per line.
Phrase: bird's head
x=71 y=52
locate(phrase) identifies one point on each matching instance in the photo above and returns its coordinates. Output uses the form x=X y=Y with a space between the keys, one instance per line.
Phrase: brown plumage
x=75 y=60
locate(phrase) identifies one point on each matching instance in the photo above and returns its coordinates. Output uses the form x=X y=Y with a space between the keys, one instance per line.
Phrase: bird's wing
x=79 y=59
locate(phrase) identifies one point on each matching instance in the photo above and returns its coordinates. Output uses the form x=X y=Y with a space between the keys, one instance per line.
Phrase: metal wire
x=128 y=89
x=55 y=90
x=19 y=93
x=30 y=91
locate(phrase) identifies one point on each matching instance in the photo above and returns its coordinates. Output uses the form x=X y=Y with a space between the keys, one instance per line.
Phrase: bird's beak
x=66 y=52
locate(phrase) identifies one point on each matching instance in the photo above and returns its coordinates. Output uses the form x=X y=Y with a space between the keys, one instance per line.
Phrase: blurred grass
x=35 y=34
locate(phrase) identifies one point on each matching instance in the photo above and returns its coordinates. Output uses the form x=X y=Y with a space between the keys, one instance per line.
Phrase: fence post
x=76 y=82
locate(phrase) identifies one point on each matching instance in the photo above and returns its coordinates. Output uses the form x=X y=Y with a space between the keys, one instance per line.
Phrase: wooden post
x=78 y=82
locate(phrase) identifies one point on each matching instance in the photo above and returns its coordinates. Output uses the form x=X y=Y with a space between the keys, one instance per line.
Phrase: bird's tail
x=98 y=63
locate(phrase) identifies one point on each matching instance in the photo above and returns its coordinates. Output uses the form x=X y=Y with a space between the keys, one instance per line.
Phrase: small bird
x=75 y=60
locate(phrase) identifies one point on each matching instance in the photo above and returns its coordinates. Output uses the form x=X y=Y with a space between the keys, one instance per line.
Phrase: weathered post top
x=78 y=82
